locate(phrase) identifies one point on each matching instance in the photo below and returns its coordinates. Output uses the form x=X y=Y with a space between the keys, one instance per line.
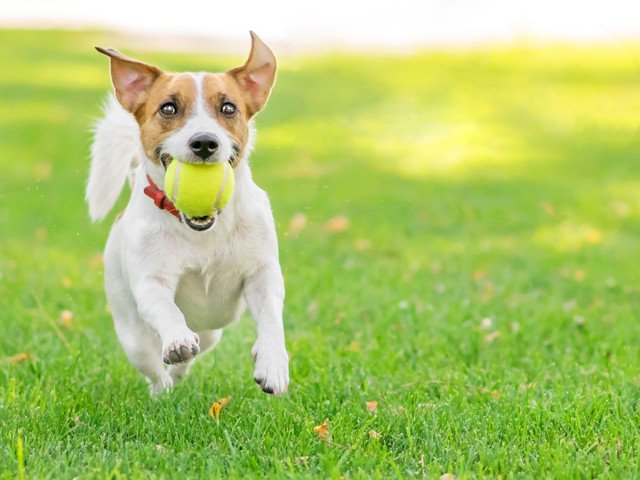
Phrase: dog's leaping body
x=174 y=283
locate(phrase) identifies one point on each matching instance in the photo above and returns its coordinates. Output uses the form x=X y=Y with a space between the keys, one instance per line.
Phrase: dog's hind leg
x=208 y=340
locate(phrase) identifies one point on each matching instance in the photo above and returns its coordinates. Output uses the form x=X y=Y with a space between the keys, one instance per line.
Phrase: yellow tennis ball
x=199 y=189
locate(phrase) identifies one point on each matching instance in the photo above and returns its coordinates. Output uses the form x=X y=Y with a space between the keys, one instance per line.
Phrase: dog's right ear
x=131 y=78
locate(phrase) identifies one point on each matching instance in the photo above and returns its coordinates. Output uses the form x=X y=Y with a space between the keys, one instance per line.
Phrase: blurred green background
x=459 y=235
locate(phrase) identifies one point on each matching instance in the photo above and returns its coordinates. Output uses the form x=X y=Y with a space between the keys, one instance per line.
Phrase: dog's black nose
x=203 y=144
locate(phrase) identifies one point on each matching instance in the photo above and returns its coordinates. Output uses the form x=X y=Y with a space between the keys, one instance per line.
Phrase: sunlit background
x=456 y=188
x=400 y=24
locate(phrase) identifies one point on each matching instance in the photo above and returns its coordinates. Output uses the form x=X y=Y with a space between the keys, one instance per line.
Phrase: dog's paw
x=271 y=366
x=180 y=346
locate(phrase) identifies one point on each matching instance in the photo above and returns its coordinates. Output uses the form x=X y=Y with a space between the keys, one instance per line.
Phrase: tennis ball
x=199 y=189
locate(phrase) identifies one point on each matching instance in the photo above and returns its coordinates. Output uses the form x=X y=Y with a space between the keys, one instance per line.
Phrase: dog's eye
x=228 y=109
x=168 y=109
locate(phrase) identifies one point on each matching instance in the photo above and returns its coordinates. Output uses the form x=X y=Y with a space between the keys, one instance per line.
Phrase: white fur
x=172 y=289
x=117 y=143
x=201 y=121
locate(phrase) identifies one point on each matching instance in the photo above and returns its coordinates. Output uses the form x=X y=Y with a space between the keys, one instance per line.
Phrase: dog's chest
x=209 y=292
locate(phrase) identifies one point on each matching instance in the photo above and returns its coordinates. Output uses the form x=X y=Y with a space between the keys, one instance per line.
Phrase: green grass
x=494 y=183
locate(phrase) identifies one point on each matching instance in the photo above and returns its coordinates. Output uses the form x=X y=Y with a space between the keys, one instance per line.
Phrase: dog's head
x=196 y=117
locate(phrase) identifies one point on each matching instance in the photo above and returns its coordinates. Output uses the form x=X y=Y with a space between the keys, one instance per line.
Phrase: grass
x=485 y=291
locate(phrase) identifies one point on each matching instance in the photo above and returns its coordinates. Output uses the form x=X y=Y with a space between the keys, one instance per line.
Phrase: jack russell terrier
x=174 y=282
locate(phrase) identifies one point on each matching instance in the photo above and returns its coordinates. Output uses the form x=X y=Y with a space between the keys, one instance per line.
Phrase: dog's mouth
x=199 y=224
x=166 y=158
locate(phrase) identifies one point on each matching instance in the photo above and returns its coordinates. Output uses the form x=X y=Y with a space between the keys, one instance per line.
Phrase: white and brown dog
x=173 y=282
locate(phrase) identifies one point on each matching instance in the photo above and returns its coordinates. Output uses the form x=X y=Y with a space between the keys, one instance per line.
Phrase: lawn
x=459 y=234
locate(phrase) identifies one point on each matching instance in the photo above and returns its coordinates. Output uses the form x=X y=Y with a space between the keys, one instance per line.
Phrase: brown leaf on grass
x=479 y=274
x=96 y=261
x=322 y=431
x=215 y=409
x=373 y=434
x=372 y=407
x=354 y=347
x=548 y=208
x=19 y=357
x=621 y=209
x=66 y=316
x=362 y=244
x=41 y=234
x=297 y=224
x=42 y=171
x=338 y=224
x=493 y=336
x=312 y=308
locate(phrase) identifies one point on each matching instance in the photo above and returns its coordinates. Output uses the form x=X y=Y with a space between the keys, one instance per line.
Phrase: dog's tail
x=115 y=151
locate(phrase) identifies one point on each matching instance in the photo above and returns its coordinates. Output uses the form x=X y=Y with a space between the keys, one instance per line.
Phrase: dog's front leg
x=264 y=293
x=154 y=296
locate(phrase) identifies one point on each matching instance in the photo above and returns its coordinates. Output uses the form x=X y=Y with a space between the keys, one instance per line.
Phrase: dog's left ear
x=257 y=75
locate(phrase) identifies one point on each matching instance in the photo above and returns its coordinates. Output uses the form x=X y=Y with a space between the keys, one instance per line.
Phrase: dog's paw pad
x=180 y=348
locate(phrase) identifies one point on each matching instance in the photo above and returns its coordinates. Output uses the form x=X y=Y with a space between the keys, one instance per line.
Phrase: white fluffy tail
x=115 y=151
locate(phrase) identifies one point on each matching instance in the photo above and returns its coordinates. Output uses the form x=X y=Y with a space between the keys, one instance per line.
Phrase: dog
x=173 y=282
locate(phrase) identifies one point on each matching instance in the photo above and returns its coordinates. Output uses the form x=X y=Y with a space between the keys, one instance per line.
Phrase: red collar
x=160 y=199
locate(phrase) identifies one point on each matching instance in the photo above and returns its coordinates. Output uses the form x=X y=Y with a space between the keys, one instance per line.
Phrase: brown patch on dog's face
x=178 y=90
x=218 y=90
x=174 y=110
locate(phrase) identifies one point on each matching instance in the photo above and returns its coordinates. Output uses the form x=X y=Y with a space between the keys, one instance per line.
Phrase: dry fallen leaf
x=548 y=208
x=65 y=317
x=215 y=409
x=492 y=337
x=354 y=347
x=479 y=274
x=373 y=434
x=42 y=171
x=579 y=275
x=41 y=234
x=96 y=261
x=19 y=357
x=621 y=209
x=372 y=407
x=322 y=431
x=338 y=224
x=297 y=224
x=362 y=244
